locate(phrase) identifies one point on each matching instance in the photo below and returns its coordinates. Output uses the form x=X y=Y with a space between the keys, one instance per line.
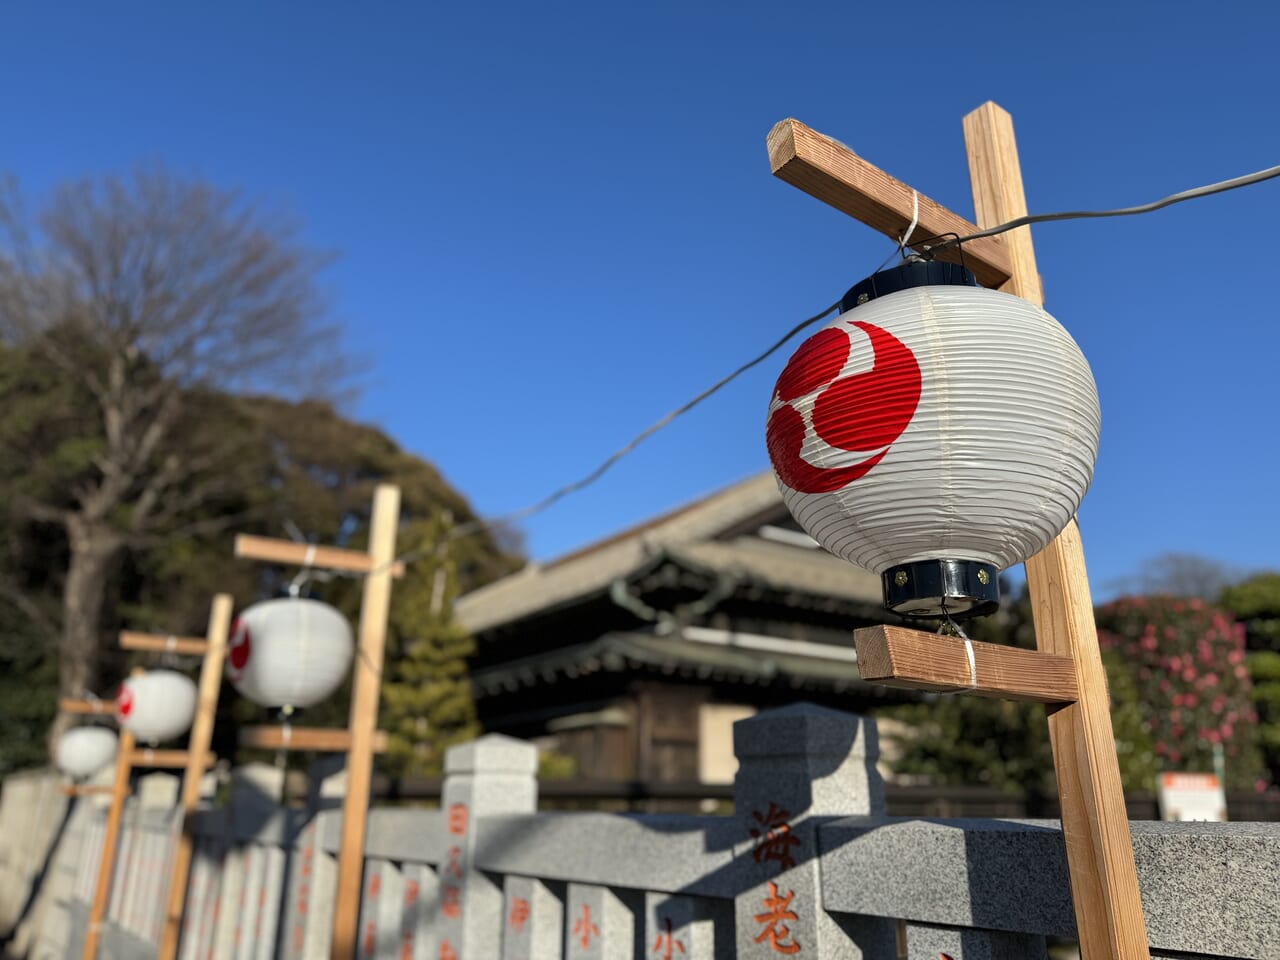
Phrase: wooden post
x=1095 y=824
x=197 y=753
x=366 y=690
x=119 y=790
x=1095 y=827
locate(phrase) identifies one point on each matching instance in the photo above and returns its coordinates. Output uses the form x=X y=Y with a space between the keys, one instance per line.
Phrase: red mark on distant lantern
x=124 y=701
x=238 y=650
x=861 y=412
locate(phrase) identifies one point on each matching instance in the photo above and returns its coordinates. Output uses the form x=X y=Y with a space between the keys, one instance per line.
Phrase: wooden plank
x=317 y=739
x=828 y=170
x=309 y=555
x=215 y=644
x=913 y=659
x=186 y=646
x=167 y=759
x=84 y=790
x=75 y=705
x=110 y=839
x=374 y=607
x=1095 y=826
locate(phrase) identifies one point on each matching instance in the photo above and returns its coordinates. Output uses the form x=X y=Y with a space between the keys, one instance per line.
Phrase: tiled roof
x=689 y=532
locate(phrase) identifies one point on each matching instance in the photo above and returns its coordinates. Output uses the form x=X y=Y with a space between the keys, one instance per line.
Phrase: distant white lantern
x=157 y=705
x=935 y=433
x=291 y=652
x=83 y=751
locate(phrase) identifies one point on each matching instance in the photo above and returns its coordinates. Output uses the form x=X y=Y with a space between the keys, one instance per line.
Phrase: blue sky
x=556 y=221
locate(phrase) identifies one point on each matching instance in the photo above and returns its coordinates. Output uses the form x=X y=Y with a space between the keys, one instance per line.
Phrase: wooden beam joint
x=828 y=170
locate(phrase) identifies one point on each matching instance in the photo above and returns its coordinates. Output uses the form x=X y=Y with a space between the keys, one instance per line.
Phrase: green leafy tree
x=1186 y=660
x=427 y=700
x=1255 y=602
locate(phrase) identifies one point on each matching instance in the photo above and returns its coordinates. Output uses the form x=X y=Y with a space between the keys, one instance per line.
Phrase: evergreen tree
x=427 y=701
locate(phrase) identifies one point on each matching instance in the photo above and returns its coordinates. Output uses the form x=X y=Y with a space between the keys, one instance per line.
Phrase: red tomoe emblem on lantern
x=863 y=412
x=238 y=650
x=124 y=701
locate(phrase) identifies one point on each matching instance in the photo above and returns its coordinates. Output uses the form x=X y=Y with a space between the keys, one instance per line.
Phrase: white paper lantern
x=157 y=705
x=83 y=751
x=290 y=652
x=935 y=433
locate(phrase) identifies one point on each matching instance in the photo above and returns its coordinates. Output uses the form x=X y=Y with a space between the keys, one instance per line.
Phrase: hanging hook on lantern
x=305 y=574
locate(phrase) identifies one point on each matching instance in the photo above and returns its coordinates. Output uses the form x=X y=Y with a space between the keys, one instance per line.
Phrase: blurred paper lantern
x=157 y=705
x=935 y=433
x=291 y=652
x=83 y=751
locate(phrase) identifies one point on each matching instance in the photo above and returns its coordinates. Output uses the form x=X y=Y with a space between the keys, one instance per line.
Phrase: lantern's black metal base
x=938 y=589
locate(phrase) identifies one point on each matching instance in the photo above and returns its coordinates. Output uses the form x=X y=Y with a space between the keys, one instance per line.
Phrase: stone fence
x=808 y=865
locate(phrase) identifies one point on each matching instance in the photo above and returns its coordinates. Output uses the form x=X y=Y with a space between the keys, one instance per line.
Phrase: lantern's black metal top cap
x=914 y=273
x=942 y=589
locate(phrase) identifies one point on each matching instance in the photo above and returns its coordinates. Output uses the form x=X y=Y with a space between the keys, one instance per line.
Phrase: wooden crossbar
x=146 y=757
x=828 y=170
x=301 y=554
x=76 y=705
x=158 y=643
x=316 y=739
x=900 y=657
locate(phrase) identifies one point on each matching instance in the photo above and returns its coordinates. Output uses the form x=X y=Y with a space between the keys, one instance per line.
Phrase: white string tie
x=973 y=666
x=915 y=220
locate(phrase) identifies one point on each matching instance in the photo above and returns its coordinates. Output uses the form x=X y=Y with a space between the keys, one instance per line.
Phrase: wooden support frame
x=362 y=739
x=194 y=761
x=215 y=652
x=1104 y=882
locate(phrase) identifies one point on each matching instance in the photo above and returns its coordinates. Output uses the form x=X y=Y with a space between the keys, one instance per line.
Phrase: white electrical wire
x=1220 y=187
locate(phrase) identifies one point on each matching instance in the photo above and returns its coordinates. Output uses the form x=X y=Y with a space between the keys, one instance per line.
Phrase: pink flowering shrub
x=1187 y=661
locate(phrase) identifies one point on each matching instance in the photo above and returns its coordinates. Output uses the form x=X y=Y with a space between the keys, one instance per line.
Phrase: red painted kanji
x=447 y=952
x=773 y=837
x=457 y=819
x=519 y=915
x=454 y=866
x=584 y=929
x=777 y=912
x=451 y=901
x=667 y=941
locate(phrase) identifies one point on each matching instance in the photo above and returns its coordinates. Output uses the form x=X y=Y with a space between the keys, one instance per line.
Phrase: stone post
x=491 y=776
x=798 y=765
x=602 y=923
x=533 y=921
